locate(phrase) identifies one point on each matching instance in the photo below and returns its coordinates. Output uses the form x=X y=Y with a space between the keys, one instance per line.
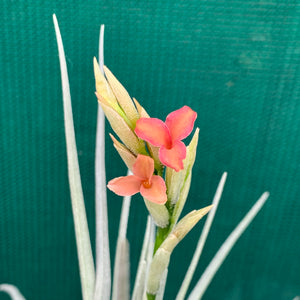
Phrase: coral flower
x=179 y=124
x=152 y=187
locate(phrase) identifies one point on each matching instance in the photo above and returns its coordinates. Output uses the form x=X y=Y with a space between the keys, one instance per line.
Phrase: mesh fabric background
x=234 y=62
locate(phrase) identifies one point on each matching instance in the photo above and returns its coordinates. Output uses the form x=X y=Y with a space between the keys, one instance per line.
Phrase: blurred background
x=234 y=62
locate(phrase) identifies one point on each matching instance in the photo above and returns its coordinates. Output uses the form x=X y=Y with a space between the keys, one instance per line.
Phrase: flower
x=179 y=124
x=152 y=187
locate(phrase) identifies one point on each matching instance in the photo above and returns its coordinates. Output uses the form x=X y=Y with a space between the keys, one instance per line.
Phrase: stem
x=161 y=235
x=150 y=297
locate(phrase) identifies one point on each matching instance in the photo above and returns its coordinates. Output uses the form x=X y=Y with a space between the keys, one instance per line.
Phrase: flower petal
x=153 y=131
x=157 y=192
x=173 y=157
x=125 y=186
x=181 y=122
x=143 y=167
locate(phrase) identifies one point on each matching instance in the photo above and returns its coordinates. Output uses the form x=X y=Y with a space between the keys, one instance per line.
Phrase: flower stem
x=161 y=235
x=150 y=297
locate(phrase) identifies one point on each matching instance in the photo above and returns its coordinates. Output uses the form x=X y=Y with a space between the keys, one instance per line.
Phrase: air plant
x=160 y=169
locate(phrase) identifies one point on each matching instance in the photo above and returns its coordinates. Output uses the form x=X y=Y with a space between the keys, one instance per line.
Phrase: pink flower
x=152 y=187
x=179 y=124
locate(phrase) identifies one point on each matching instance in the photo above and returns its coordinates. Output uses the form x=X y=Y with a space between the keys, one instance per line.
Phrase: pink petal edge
x=181 y=122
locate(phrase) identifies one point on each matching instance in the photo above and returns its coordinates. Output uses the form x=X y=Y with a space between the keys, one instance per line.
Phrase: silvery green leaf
x=121 y=284
x=140 y=280
x=121 y=267
x=84 y=250
x=189 y=274
x=222 y=253
x=12 y=291
x=103 y=269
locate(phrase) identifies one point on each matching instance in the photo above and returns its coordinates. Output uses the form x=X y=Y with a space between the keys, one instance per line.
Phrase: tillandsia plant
x=160 y=169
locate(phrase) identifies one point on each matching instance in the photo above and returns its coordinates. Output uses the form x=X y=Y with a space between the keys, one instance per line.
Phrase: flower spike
x=179 y=124
x=152 y=187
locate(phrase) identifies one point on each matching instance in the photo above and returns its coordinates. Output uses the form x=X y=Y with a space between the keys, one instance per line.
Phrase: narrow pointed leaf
x=222 y=253
x=103 y=269
x=12 y=291
x=121 y=285
x=189 y=274
x=140 y=280
x=121 y=268
x=86 y=263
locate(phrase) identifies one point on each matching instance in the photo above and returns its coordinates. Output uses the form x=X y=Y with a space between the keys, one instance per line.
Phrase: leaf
x=103 y=269
x=121 y=268
x=85 y=257
x=190 y=272
x=222 y=253
x=140 y=280
x=12 y=291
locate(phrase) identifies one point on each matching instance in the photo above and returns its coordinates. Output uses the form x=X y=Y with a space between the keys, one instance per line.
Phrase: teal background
x=234 y=62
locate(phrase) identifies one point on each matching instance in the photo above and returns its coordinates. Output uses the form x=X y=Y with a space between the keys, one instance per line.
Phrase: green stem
x=161 y=235
x=150 y=297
